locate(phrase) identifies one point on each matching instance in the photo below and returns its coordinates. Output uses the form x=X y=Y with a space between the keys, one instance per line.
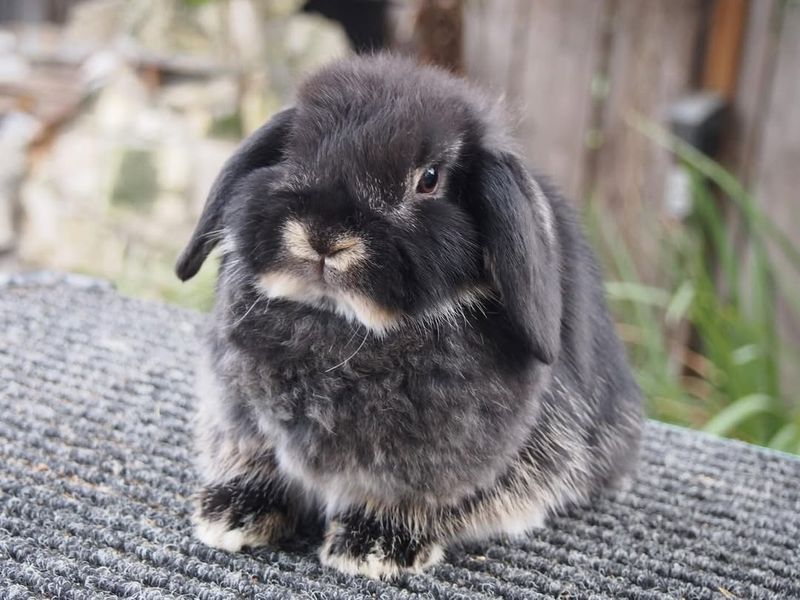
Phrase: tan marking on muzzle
x=295 y=238
x=347 y=249
x=284 y=285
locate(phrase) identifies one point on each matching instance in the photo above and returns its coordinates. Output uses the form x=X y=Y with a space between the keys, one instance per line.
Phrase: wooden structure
x=35 y=11
x=577 y=72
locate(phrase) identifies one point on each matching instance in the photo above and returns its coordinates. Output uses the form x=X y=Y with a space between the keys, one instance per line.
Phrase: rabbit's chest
x=393 y=415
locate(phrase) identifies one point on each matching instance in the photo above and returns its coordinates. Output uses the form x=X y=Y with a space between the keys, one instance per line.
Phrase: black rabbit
x=410 y=337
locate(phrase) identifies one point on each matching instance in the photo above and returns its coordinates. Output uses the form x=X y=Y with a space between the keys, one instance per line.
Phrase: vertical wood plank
x=754 y=87
x=563 y=55
x=777 y=175
x=654 y=51
x=777 y=181
x=541 y=55
x=487 y=54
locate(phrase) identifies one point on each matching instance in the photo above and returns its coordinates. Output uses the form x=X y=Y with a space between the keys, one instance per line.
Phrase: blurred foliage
x=153 y=277
x=706 y=345
x=136 y=183
x=160 y=94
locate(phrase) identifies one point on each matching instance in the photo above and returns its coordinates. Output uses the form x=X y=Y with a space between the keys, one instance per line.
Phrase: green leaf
x=725 y=180
x=786 y=438
x=738 y=413
x=637 y=292
x=680 y=304
x=746 y=354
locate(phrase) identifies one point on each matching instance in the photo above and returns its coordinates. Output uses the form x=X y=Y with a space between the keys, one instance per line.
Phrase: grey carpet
x=95 y=484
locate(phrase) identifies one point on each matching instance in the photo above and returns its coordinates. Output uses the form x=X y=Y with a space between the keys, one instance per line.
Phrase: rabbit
x=410 y=341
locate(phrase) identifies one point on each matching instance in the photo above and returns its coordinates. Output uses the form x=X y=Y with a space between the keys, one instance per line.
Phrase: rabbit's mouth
x=357 y=307
x=323 y=294
x=317 y=268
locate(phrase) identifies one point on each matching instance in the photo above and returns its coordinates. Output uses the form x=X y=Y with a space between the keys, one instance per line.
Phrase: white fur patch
x=291 y=287
x=228 y=244
x=217 y=535
x=506 y=519
x=544 y=212
x=372 y=315
x=352 y=306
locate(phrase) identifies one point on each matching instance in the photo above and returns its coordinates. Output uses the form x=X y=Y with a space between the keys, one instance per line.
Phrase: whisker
x=366 y=335
x=244 y=316
x=215 y=232
x=350 y=339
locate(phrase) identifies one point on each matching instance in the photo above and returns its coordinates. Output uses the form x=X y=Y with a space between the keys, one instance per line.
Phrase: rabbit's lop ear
x=263 y=148
x=521 y=251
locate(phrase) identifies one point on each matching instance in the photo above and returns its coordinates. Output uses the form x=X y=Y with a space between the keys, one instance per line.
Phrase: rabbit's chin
x=358 y=308
x=352 y=306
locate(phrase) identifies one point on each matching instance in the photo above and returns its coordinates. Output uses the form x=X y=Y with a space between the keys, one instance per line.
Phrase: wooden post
x=720 y=71
x=438 y=33
x=721 y=64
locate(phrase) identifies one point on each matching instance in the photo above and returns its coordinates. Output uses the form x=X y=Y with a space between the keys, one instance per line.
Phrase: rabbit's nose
x=329 y=248
x=321 y=246
x=341 y=253
x=306 y=244
x=338 y=251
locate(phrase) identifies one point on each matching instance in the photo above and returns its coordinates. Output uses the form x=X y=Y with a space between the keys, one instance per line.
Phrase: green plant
x=149 y=273
x=705 y=343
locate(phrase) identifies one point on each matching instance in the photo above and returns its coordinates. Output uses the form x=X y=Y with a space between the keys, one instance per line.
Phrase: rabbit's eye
x=428 y=181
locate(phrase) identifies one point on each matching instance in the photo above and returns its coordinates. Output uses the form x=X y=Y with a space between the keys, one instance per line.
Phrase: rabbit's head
x=388 y=194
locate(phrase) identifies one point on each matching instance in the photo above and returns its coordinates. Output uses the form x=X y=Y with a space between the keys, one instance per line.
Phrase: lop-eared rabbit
x=410 y=339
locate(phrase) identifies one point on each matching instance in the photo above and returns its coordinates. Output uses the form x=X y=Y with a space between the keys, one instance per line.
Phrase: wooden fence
x=35 y=11
x=578 y=71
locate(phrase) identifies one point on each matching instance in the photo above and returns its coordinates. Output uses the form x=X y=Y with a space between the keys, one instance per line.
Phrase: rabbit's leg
x=243 y=500
x=381 y=544
x=250 y=509
x=380 y=547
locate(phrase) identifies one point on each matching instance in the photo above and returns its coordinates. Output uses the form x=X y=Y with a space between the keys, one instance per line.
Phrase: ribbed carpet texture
x=96 y=400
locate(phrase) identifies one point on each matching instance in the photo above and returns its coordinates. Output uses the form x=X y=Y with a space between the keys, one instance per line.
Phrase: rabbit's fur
x=448 y=370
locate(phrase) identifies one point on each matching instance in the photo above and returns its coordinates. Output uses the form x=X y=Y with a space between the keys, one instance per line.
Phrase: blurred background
x=673 y=125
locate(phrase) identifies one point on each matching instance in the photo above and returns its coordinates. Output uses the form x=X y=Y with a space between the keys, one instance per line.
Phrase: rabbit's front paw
x=231 y=516
x=361 y=545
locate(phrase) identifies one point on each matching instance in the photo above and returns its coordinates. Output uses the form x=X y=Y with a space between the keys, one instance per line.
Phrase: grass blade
x=742 y=410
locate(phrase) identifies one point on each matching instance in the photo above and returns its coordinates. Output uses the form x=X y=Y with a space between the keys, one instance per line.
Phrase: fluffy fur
x=416 y=367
